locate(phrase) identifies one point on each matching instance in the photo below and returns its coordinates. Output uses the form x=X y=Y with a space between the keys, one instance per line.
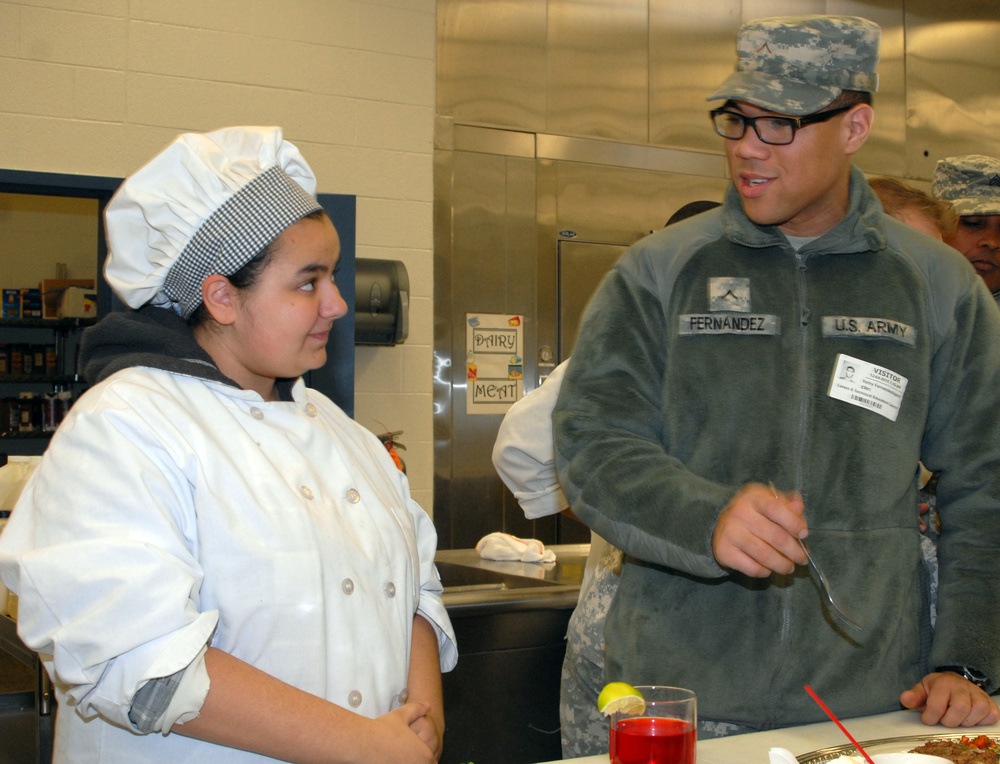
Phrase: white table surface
x=753 y=748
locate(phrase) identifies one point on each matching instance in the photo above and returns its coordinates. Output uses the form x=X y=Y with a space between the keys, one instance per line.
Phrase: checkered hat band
x=236 y=233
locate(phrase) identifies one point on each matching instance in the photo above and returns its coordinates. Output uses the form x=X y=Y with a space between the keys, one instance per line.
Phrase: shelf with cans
x=38 y=379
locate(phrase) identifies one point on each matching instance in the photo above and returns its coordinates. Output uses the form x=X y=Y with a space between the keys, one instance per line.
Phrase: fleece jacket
x=715 y=355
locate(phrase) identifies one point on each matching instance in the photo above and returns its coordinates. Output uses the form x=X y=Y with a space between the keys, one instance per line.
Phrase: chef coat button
x=306 y=491
x=404 y=695
x=256 y=413
x=347 y=585
x=354 y=698
x=390 y=590
x=310 y=409
x=353 y=496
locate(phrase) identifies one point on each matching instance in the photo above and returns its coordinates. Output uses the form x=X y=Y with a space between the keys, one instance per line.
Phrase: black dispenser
x=382 y=302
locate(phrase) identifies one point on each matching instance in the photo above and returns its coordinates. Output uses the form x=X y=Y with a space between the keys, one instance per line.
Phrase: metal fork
x=824 y=585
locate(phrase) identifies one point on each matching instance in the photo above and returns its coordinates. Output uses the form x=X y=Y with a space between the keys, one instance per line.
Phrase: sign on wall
x=494 y=362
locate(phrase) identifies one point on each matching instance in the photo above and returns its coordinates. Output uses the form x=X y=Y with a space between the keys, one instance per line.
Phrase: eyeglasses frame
x=797 y=123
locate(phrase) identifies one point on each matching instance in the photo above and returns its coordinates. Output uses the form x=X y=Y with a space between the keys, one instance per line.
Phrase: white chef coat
x=524 y=458
x=170 y=512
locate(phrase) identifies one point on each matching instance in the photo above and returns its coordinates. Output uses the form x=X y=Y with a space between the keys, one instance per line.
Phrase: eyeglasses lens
x=774 y=130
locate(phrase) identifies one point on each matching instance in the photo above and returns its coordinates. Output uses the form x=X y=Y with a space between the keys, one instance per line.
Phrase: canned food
x=30 y=413
x=17 y=360
x=11 y=421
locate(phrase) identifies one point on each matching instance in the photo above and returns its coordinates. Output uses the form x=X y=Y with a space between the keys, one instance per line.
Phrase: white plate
x=890 y=758
x=897 y=745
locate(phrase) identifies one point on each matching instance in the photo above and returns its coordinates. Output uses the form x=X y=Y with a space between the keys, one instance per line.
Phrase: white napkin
x=503 y=546
x=781 y=756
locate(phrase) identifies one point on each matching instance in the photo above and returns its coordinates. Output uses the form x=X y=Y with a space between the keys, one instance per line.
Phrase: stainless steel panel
x=615 y=154
x=599 y=203
x=692 y=49
x=885 y=151
x=953 y=81
x=638 y=71
x=597 y=75
x=485 y=140
x=491 y=62
x=620 y=204
x=582 y=267
x=444 y=330
x=485 y=221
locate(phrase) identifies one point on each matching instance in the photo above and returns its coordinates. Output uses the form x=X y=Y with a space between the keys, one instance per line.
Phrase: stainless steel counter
x=472 y=583
x=510 y=620
x=26 y=718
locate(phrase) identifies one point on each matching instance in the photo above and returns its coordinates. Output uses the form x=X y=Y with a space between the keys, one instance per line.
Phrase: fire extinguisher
x=393 y=446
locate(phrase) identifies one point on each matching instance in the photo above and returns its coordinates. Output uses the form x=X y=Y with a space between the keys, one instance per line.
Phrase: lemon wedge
x=620 y=697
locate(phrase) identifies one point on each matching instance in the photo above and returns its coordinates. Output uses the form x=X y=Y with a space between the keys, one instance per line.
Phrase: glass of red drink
x=664 y=733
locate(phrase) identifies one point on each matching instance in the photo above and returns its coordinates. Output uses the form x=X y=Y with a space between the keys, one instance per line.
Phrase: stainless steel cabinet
x=27 y=710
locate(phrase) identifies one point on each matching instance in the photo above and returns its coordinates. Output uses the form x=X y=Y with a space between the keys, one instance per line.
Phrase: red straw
x=836 y=721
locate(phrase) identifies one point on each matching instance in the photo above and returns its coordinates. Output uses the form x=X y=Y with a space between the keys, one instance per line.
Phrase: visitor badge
x=868 y=386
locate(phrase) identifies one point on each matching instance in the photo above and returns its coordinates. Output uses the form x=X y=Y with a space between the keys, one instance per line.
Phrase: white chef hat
x=208 y=203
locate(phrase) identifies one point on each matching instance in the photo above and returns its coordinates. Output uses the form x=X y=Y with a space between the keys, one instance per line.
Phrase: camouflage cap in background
x=798 y=64
x=971 y=183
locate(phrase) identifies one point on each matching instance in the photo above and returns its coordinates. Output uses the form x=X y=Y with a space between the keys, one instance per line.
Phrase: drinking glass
x=664 y=733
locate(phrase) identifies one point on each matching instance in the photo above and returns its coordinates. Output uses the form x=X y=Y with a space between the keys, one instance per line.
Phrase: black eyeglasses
x=776 y=131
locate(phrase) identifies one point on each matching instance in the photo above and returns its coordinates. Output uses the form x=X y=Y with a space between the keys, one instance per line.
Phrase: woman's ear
x=219 y=296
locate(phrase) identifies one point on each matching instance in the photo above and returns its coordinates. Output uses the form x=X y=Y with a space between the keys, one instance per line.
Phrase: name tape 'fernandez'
x=728 y=323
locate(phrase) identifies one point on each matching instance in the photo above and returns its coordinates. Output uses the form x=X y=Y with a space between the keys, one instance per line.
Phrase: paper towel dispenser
x=382 y=302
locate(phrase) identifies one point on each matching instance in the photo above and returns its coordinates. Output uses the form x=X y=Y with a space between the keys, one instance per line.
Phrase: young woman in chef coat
x=214 y=562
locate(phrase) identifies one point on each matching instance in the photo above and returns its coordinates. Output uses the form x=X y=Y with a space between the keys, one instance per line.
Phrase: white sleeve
x=107 y=592
x=523 y=454
x=430 y=604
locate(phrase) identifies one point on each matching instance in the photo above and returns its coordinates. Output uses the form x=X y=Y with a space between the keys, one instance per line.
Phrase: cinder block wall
x=97 y=87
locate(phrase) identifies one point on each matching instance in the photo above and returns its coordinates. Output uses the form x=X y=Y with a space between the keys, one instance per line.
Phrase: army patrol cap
x=796 y=65
x=970 y=183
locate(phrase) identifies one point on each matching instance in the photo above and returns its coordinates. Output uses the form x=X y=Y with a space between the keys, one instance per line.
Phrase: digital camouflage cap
x=798 y=64
x=970 y=183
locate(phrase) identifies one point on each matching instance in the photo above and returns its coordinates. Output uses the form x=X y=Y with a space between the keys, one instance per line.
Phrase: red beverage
x=652 y=740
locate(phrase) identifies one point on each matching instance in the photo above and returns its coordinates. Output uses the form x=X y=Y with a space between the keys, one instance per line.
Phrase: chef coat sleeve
x=98 y=550
x=611 y=462
x=524 y=455
x=161 y=703
x=430 y=604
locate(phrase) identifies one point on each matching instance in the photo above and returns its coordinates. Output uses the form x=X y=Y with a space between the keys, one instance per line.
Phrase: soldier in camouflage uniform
x=971 y=184
x=708 y=364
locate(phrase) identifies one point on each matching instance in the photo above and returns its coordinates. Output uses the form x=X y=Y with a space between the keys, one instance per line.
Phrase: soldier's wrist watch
x=978 y=678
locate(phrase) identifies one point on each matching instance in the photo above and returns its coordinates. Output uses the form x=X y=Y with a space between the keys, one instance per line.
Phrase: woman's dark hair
x=247 y=276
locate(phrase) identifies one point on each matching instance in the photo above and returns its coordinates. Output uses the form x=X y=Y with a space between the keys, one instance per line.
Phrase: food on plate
x=620 y=697
x=967 y=750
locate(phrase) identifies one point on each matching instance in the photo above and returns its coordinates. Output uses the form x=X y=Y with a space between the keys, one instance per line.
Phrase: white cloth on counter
x=503 y=546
